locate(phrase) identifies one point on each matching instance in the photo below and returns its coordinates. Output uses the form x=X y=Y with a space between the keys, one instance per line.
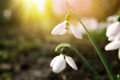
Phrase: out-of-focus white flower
x=58 y=63
x=112 y=18
x=115 y=44
x=65 y=27
x=90 y=23
x=113 y=30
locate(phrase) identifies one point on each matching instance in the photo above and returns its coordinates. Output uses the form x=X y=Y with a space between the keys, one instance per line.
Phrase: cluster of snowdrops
x=58 y=63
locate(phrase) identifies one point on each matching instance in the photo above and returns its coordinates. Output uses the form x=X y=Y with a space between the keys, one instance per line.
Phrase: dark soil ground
x=28 y=58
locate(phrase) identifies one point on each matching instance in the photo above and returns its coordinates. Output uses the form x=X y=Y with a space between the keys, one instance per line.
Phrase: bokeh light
x=7 y=13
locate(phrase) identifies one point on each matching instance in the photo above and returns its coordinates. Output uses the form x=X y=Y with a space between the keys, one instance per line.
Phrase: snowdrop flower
x=65 y=27
x=115 y=44
x=58 y=63
x=91 y=23
x=113 y=30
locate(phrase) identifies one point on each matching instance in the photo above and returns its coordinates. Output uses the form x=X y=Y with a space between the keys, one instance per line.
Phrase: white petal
x=59 y=29
x=76 y=31
x=111 y=38
x=53 y=60
x=71 y=62
x=117 y=38
x=113 y=45
x=113 y=29
x=59 y=64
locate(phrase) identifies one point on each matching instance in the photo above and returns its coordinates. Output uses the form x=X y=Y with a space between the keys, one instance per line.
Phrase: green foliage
x=10 y=48
x=118 y=77
x=6 y=76
x=3 y=55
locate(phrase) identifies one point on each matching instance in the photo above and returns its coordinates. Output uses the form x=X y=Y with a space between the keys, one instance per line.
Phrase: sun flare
x=32 y=14
x=38 y=4
x=32 y=9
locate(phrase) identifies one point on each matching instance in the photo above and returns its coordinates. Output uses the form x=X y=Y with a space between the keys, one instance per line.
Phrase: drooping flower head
x=113 y=34
x=114 y=45
x=65 y=27
x=58 y=63
x=113 y=30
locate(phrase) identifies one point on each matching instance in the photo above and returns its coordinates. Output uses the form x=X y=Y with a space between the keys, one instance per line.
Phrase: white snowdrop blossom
x=58 y=63
x=113 y=34
x=65 y=27
x=114 y=45
x=113 y=30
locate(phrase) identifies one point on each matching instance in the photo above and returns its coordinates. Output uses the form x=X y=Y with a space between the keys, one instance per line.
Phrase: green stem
x=64 y=45
x=86 y=63
x=99 y=52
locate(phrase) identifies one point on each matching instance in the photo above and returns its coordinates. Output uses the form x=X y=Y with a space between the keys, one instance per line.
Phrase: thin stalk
x=86 y=63
x=99 y=52
x=62 y=46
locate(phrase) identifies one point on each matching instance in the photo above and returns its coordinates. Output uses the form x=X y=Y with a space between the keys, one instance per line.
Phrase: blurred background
x=27 y=46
